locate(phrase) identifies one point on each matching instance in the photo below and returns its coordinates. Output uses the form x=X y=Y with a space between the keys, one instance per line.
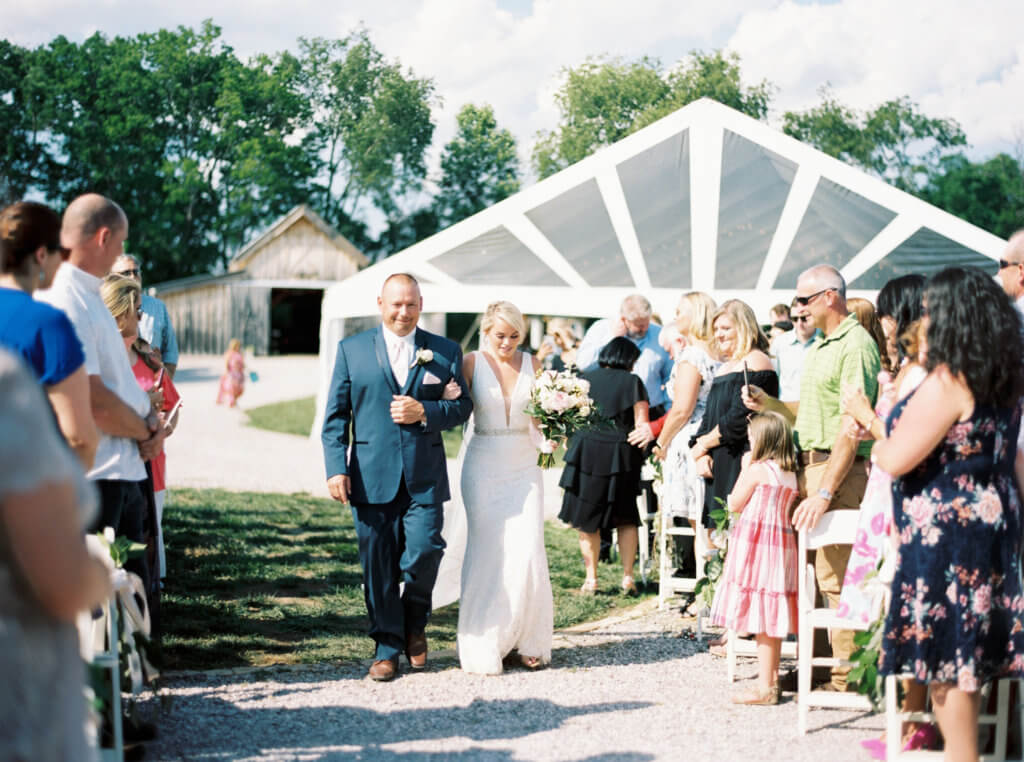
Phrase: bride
x=506 y=602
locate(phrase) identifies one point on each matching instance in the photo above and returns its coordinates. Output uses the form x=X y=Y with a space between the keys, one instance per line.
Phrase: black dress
x=726 y=410
x=602 y=470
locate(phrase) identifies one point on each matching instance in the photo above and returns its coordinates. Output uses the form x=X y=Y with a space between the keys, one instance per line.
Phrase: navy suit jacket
x=358 y=412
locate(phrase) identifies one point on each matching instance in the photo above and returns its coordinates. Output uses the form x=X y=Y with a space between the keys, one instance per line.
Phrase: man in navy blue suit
x=384 y=455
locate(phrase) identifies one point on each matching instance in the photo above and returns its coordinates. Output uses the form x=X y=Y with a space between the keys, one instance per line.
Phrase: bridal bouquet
x=561 y=405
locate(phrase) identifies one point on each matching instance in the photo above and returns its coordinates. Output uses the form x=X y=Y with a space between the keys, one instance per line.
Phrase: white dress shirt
x=77 y=293
x=401 y=350
x=789 y=363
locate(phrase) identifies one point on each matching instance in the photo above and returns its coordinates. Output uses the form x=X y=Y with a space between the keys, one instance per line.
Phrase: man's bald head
x=822 y=277
x=87 y=215
x=94 y=229
x=1011 y=277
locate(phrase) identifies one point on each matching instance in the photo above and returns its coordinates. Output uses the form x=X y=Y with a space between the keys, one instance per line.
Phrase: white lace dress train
x=506 y=600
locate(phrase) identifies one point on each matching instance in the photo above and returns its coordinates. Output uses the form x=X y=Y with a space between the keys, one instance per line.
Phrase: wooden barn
x=272 y=294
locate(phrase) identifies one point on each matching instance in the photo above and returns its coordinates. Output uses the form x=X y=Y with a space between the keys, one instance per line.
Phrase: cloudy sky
x=955 y=59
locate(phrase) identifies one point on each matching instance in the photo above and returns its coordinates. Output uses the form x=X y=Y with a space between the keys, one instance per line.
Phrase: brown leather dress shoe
x=416 y=649
x=383 y=670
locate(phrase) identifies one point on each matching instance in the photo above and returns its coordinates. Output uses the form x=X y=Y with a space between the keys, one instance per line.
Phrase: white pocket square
x=430 y=378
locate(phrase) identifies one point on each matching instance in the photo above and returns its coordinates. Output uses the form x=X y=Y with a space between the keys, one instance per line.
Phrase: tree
x=989 y=194
x=894 y=141
x=371 y=127
x=25 y=114
x=479 y=166
x=603 y=101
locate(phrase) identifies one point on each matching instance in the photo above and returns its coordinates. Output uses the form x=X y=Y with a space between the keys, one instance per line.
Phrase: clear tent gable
x=704 y=199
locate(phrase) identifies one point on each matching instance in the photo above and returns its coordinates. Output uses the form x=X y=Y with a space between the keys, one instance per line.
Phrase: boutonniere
x=423 y=356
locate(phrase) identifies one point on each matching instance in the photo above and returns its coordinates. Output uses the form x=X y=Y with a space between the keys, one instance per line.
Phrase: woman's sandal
x=531 y=662
x=589 y=587
x=755 y=696
x=629 y=586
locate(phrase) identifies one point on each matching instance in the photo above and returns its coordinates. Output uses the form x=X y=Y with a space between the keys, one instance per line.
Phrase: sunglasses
x=800 y=318
x=803 y=301
x=133 y=273
x=1003 y=264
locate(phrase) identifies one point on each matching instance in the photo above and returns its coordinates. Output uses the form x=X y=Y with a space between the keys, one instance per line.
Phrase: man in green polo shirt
x=833 y=474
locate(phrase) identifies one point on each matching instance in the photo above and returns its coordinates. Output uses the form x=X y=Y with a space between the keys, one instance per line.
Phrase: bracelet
x=824 y=494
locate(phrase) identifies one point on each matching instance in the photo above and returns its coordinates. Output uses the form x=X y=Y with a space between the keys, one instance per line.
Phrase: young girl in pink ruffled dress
x=757 y=592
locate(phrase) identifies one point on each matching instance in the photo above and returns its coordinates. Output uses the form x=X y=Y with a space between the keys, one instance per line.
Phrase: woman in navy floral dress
x=956 y=619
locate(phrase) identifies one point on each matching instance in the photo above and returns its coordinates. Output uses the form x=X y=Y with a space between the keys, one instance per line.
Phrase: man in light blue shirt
x=634 y=322
x=789 y=350
x=155 y=324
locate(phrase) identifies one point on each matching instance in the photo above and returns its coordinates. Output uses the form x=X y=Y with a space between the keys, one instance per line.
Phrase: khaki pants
x=830 y=561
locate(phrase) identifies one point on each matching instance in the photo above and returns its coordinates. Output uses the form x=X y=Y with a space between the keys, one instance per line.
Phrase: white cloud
x=955 y=60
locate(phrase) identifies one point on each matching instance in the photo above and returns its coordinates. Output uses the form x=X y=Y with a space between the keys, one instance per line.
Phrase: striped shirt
x=848 y=357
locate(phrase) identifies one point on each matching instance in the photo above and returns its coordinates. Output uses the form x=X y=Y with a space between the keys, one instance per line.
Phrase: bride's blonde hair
x=507 y=312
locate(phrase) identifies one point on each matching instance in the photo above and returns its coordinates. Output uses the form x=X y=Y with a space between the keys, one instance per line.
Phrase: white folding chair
x=668 y=584
x=736 y=646
x=895 y=717
x=835 y=528
x=105 y=640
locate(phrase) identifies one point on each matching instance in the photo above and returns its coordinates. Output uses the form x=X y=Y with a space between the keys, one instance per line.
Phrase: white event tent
x=704 y=199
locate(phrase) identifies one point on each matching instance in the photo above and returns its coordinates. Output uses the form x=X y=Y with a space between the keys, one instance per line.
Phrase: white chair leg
x=893 y=721
x=730 y=655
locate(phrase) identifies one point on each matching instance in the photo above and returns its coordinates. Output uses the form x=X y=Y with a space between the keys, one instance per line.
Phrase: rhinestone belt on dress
x=499 y=432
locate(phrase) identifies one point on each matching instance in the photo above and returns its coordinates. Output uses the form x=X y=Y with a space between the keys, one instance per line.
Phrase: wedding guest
x=693 y=372
x=899 y=305
x=865 y=313
x=833 y=476
x=232 y=382
x=602 y=469
x=558 y=350
x=956 y=618
x=46 y=577
x=634 y=322
x=506 y=603
x=720 y=441
x=95 y=228
x=789 y=350
x=757 y=592
x=123 y=298
x=30 y=253
x=155 y=326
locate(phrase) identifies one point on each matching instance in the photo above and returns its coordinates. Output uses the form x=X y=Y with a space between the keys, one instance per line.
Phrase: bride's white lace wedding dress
x=506 y=599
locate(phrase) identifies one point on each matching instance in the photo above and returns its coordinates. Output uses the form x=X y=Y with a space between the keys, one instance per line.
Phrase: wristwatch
x=825 y=494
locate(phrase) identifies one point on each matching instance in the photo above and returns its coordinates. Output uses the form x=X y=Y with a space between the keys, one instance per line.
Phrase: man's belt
x=811 y=457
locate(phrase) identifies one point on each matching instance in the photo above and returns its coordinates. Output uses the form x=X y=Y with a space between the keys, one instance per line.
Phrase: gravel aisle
x=628 y=690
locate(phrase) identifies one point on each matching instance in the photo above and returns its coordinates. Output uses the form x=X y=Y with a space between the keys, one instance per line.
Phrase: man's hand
x=641 y=436
x=152 y=447
x=754 y=397
x=340 y=486
x=405 y=409
x=619 y=327
x=809 y=512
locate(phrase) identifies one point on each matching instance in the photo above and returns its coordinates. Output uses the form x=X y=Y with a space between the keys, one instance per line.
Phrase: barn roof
x=279 y=228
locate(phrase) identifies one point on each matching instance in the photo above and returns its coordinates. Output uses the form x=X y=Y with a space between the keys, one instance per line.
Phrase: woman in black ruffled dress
x=602 y=470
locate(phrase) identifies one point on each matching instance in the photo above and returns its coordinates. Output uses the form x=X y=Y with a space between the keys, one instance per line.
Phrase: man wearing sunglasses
x=789 y=350
x=155 y=324
x=1011 y=270
x=832 y=465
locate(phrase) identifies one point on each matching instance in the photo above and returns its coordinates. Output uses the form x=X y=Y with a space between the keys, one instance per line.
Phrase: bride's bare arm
x=467 y=369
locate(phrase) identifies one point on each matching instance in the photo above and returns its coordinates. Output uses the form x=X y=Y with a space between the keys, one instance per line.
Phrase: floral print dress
x=957 y=610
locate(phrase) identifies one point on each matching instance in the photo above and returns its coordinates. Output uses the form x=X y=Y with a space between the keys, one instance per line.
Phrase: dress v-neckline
x=506 y=398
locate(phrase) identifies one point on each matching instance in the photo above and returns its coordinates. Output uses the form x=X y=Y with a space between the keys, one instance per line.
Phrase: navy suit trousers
x=398 y=541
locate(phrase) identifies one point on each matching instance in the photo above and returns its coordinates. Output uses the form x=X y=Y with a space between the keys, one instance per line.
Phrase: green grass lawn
x=296 y=417
x=259 y=579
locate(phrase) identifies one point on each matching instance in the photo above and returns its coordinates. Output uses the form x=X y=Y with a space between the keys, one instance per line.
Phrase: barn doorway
x=295 y=320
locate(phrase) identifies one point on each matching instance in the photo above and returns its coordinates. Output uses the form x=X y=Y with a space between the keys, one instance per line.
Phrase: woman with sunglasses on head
x=30 y=253
x=957 y=615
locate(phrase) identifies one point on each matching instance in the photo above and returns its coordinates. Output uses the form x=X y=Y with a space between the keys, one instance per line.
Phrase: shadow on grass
x=309 y=729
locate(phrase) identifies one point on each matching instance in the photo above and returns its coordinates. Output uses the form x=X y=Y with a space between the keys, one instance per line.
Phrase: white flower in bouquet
x=561 y=406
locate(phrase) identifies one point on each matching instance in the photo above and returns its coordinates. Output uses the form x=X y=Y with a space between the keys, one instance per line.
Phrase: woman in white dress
x=506 y=601
x=694 y=369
